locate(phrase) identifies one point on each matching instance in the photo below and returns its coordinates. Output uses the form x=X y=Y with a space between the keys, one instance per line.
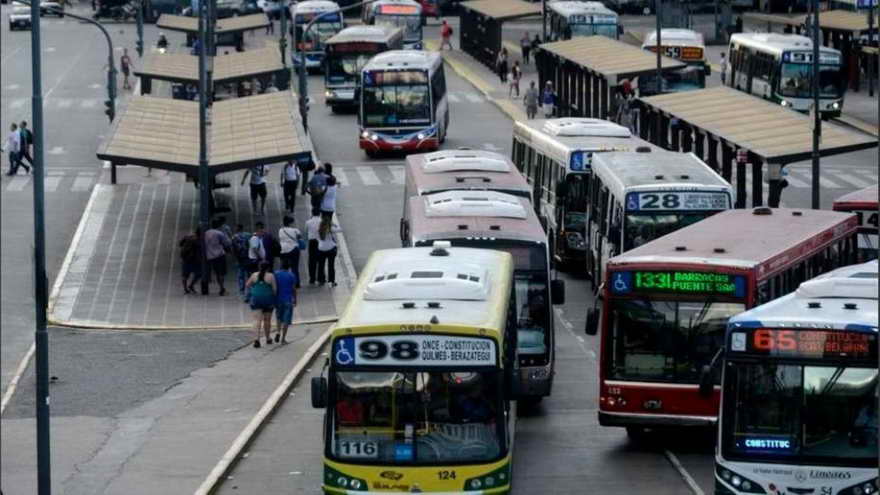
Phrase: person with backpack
x=292 y=242
x=240 y=251
x=446 y=35
x=256 y=248
x=258 y=186
x=262 y=300
x=317 y=187
x=191 y=260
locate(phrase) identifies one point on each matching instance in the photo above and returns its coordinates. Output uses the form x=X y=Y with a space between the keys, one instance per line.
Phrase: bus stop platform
x=584 y=69
x=701 y=121
x=182 y=68
x=481 y=23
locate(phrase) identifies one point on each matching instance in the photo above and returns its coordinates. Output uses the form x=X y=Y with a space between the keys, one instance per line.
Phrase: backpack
x=262 y=294
x=316 y=189
x=272 y=246
x=240 y=245
x=189 y=248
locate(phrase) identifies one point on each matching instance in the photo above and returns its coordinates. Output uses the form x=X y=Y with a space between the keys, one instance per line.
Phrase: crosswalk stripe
x=17 y=103
x=18 y=183
x=453 y=98
x=368 y=176
x=824 y=182
x=473 y=98
x=90 y=103
x=398 y=173
x=51 y=183
x=82 y=182
x=871 y=175
x=341 y=176
x=795 y=182
x=63 y=102
x=849 y=178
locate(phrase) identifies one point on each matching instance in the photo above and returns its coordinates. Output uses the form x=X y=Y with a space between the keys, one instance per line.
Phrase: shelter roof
x=839 y=20
x=190 y=24
x=503 y=10
x=768 y=130
x=608 y=57
x=780 y=19
x=184 y=68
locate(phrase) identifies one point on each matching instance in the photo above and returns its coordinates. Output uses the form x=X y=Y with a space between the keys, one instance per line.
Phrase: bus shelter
x=230 y=29
x=244 y=132
x=584 y=69
x=183 y=68
x=753 y=130
x=481 y=23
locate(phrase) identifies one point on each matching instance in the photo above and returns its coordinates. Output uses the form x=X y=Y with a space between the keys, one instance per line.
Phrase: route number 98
x=376 y=350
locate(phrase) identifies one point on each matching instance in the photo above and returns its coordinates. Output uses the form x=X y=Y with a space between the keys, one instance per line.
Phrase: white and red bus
x=667 y=302
x=864 y=204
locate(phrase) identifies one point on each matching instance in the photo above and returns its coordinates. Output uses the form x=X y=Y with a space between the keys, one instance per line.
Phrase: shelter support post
x=757 y=179
x=675 y=145
x=146 y=85
x=579 y=89
x=113 y=173
x=588 y=93
x=564 y=93
x=699 y=149
x=595 y=112
x=740 y=185
x=726 y=160
x=645 y=122
x=603 y=84
x=687 y=144
x=713 y=152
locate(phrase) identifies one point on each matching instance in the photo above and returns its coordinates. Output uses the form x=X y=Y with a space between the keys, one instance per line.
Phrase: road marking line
x=95 y=86
x=56 y=150
x=50 y=49
x=62 y=102
x=13 y=384
x=89 y=103
x=12 y=87
x=341 y=176
x=17 y=103
x=688 y=479
x=829 y=184
x=18 y=183
x=10 y=54
x=399 y=174
x=570 y=329
x=368 y=176
x=82 y=182
x=51 y=183
x=850 y=178
x=473 y=98
x=796 y=182
x=453 y=98
x=870 y=174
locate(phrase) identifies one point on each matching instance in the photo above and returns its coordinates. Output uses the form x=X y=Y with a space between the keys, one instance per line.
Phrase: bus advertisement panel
x=311 y=47
x=415 y=383
x=799 y=390
x=681 y=44
x=347 y=53
x=667 y=304
x=865 y=205
x=403 y=105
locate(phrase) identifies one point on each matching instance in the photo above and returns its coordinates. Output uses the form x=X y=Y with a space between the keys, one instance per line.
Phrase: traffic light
x=110 y=110
x=139 y=46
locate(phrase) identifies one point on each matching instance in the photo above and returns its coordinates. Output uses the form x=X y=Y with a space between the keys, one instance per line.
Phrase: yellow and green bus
x=417 y=386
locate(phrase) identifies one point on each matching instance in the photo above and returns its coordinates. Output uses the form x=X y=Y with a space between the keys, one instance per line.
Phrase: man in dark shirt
x=27 y=140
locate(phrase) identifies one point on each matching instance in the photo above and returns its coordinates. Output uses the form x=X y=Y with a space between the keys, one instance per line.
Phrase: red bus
x=667 y=302
x=864 y=204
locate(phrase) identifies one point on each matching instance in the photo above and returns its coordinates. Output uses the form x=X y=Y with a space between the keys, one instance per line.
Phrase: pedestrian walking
x=291 y=240
x=445 y=35
x=125 y=63
x=317 y=187
x=12 y=146
x=191 y=261
x=256 y=249
x=313 y=226
x=548 y=100
x=525 y=45
x=723 y=64
x=270 y=28
x=289 y=183
x=240 y=251
x=328 y=201
x=258 y=187
x=515 y=76
x=304 y=169
x=536 y=42
x=327 y=251
x=286 y=282
x=501 y=64
x=530 y=100
x=217 y=243
x=263 y=290
x=26 y=138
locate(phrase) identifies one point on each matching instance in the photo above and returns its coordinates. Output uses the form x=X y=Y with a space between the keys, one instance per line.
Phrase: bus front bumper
x=426 y=140
x=653 y=420
x=535 y=381
x=341 y=96
x=339 y=491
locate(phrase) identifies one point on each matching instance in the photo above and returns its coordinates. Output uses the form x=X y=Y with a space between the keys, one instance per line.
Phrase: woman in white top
x=328 y=202
x=327 y=251
x=258 y=186
x=290 y=181
x=289 y=238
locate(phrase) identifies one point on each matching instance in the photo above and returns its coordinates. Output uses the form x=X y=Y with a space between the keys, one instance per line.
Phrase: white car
x=20 y=17
x=51 y=7
x=272 y=8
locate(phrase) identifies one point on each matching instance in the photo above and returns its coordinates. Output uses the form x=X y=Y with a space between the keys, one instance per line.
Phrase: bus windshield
x=394 y=102
x=345 y=68
x=412 y=24
x=609 y=30
x=417 y=417
x=665 y=341
x=641 y=228
x=320 y=32
x=801 y=414
x=796 y=80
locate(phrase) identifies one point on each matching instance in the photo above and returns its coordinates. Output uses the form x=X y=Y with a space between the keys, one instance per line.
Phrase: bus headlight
x=497 y=478
x=476 y=483
x=356 y=484
x=863 y=488
x=336 y=479
x=330 y=94
x=785 y=103
x=835 y=106
x=420 y=136
x=739 y=482
x=575 y=240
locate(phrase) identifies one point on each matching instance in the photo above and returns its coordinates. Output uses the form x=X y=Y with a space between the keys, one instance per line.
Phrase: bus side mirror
x=591 y=327
x=557 y=288
x=708 y=69
x=706 y=384
x=511 y=390
x=404 y=232
x=319 y=392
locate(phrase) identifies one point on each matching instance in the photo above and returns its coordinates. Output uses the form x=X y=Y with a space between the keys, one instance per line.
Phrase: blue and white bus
x=799 y=391
x=347 y=53
x=406 y=14
x=312 y=46
x=570 y=19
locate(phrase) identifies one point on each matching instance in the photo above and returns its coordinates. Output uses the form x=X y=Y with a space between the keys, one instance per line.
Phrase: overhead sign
x=399 y=9
x=678 y=281
x=414 y=350
x=689 y=200
x=866 y=4
x=581 y=161
x=806 y=343
x=353 y=47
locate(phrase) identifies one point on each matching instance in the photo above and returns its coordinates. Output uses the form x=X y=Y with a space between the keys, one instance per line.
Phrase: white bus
x=403 y=105
x=779 y=68
x=406 y=14
x=570 y=18
x=347 y=53
x=555 y=156
x=312 y=47
x=799 y=391
x=681 y=44
x=635 y=198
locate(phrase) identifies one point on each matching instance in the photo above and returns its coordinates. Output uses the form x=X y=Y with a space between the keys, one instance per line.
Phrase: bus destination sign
x=678 y=282
x=414 y=350
x=677 y=200
x=354 y=47
x=807 y=344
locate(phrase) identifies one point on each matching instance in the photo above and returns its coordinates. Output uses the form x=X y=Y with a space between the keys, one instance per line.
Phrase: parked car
x=20 y=17
x=249 y=7
x=51 y=7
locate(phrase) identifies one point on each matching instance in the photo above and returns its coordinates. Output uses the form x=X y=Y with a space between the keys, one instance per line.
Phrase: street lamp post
x=283 y=45
x=658 y=6
x=204 y=176
x=817 y=122
x=139 y=44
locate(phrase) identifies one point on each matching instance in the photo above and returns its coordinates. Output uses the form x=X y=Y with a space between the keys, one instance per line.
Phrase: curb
x=88 y=325
x=858 y=124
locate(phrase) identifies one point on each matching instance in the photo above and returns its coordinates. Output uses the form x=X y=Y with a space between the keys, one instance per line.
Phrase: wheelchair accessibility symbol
x=344 y=355
x=621 y=283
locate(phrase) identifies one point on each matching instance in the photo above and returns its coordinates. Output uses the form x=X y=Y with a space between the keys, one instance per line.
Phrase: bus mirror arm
x=319 y=388
x=558 y=288
x=591 y=327
x=706 y=385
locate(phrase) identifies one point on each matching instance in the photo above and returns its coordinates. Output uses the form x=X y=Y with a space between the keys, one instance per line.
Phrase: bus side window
x=615 y=232
x=602 y=211
x=763 y=292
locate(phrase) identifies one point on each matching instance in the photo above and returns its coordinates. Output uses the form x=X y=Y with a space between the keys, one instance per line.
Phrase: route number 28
x=376 y=350
x=658 y=201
